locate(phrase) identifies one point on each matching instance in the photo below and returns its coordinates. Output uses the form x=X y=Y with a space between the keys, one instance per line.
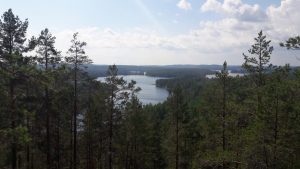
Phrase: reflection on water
x=230 y=74
x=149 y=93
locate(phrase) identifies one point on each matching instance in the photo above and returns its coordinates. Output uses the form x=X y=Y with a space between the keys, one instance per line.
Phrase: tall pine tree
x=76 y=59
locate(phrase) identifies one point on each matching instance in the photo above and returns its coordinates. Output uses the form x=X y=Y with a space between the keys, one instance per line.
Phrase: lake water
x=149 y=93
x=212 y=76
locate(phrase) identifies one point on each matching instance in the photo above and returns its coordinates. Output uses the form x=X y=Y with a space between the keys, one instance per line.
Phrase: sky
x=164 y=32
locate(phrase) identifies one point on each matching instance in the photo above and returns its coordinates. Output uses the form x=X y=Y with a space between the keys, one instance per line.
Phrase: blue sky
x=160 y=31
x=116 y=14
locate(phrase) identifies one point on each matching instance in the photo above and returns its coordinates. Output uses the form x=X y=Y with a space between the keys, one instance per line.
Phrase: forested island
x=54 y=114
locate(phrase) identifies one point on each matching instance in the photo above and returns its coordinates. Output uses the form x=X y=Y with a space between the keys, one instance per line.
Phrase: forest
x=56 y=115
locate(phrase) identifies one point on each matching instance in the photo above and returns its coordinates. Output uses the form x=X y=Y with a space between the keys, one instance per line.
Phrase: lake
x=212 y=76
x=149 y=93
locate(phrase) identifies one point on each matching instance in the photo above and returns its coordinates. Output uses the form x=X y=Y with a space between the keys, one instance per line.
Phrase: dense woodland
x=54 y=115
x=169 y=71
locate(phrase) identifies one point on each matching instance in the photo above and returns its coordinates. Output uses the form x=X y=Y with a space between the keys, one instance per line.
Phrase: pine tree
x=258 y=62
x=48 y=55
x=12 y=39
x=62 y=92
x=257 y=66
x=223 y=77
x=76 y=59
x=174 y=122
x=119 y=92
x=280 y=99
x=292 y=43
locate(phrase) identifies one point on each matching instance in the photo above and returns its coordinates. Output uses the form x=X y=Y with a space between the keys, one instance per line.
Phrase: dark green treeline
x=54 y=115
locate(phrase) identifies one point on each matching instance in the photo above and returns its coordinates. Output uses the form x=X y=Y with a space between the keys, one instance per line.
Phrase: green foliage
x=48 y=55
x=77 y=54
x=259 y=62
x=292 y=43
x=242 y=122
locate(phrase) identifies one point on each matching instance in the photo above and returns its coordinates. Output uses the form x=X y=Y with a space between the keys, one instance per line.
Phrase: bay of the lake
x=212 y=76
x=149 y=93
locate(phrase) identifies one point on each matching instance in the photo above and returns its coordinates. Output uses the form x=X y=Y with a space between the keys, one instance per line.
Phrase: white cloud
x=236 y=9
x=184 y=4
x=211 y=5
x=285 y=19
x=211 y=43
x=243 y=21
x=207 y=44
x=279 y=22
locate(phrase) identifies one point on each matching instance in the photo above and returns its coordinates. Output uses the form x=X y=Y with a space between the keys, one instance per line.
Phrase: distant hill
x=162 y=71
